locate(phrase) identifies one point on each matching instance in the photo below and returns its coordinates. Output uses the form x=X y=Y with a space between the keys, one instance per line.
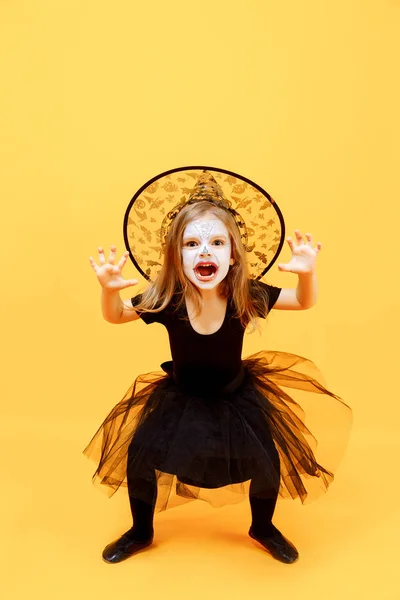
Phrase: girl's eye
x=192 y=243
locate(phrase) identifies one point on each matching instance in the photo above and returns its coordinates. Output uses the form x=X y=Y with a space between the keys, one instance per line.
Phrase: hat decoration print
x=155 y=205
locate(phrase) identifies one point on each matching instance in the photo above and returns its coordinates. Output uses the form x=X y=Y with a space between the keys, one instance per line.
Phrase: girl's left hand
x=304 y=257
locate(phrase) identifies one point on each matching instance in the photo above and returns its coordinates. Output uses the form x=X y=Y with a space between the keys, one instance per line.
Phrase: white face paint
x=206 y=241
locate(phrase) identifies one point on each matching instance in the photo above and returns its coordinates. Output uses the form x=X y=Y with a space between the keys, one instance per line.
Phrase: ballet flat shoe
x=278 y=546
x=123 y=548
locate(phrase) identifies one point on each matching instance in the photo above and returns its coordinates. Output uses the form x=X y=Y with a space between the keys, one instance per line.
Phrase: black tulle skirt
x=211 y=445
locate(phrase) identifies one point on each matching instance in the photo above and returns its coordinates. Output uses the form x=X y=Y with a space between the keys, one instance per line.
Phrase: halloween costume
x=211 y=425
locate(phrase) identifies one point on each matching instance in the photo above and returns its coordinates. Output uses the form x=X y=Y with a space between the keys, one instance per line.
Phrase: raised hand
x=304 y=256
x=108 y=273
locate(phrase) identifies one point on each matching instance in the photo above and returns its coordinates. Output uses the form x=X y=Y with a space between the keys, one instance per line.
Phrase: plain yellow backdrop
x=302 y=97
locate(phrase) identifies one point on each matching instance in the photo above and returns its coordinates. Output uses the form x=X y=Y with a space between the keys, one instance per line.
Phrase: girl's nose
x=205 y=251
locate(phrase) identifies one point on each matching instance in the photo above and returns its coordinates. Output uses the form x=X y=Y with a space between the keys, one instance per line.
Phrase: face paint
x=206 y=252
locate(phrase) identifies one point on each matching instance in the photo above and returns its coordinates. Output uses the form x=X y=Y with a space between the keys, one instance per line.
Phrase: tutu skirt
x=210 y=445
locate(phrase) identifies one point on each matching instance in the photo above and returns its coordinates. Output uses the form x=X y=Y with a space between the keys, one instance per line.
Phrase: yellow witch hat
x=155 y=205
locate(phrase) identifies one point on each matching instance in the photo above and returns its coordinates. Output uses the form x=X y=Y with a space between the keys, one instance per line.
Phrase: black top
x=209 y=360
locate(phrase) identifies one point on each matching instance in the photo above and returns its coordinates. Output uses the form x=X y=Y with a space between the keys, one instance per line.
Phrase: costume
x=216 y=427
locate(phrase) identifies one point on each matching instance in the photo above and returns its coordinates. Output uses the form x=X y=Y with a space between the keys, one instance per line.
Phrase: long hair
x=249 y=299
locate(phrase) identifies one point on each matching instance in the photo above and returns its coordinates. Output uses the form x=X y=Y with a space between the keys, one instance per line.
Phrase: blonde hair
x=172 y=280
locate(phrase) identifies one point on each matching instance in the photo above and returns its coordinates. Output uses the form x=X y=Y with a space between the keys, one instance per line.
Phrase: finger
x=130 y=282
x=318 y=247
x=309 y=239
x=93 y=263
x=299 y=236
x=102 y=259
x=283 y=267
x=123 y=260
x=291 y=243
x=111 y=256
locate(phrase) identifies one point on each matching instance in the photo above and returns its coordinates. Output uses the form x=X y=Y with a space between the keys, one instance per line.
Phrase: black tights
x=142 y=512
x=262 y=503
x=262 y=509
x=263 y=495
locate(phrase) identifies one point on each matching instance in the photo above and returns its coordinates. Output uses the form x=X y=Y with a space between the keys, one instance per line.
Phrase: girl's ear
x=231 y=261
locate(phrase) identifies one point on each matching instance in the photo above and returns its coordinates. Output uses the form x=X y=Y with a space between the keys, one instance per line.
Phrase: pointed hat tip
x=206 y=187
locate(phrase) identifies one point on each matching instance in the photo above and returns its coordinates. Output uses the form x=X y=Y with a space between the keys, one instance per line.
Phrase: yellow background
x=302 y=97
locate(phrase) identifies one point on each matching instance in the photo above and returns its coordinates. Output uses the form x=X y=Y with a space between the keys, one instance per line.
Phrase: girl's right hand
x=108 y=273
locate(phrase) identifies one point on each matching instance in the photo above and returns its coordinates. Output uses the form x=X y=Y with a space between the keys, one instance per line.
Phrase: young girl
x=213 y=426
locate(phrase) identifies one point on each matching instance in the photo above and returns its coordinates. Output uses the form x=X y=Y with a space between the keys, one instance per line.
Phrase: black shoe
x=278 y=546
x=124 y=547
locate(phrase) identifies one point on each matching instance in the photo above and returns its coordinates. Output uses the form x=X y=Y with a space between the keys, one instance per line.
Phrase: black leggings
x=262 y=501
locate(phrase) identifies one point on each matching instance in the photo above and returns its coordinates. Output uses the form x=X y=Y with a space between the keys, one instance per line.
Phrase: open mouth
x=206 y=271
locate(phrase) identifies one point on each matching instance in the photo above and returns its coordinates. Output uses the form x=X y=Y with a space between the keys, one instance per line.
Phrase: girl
x=213 y=426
